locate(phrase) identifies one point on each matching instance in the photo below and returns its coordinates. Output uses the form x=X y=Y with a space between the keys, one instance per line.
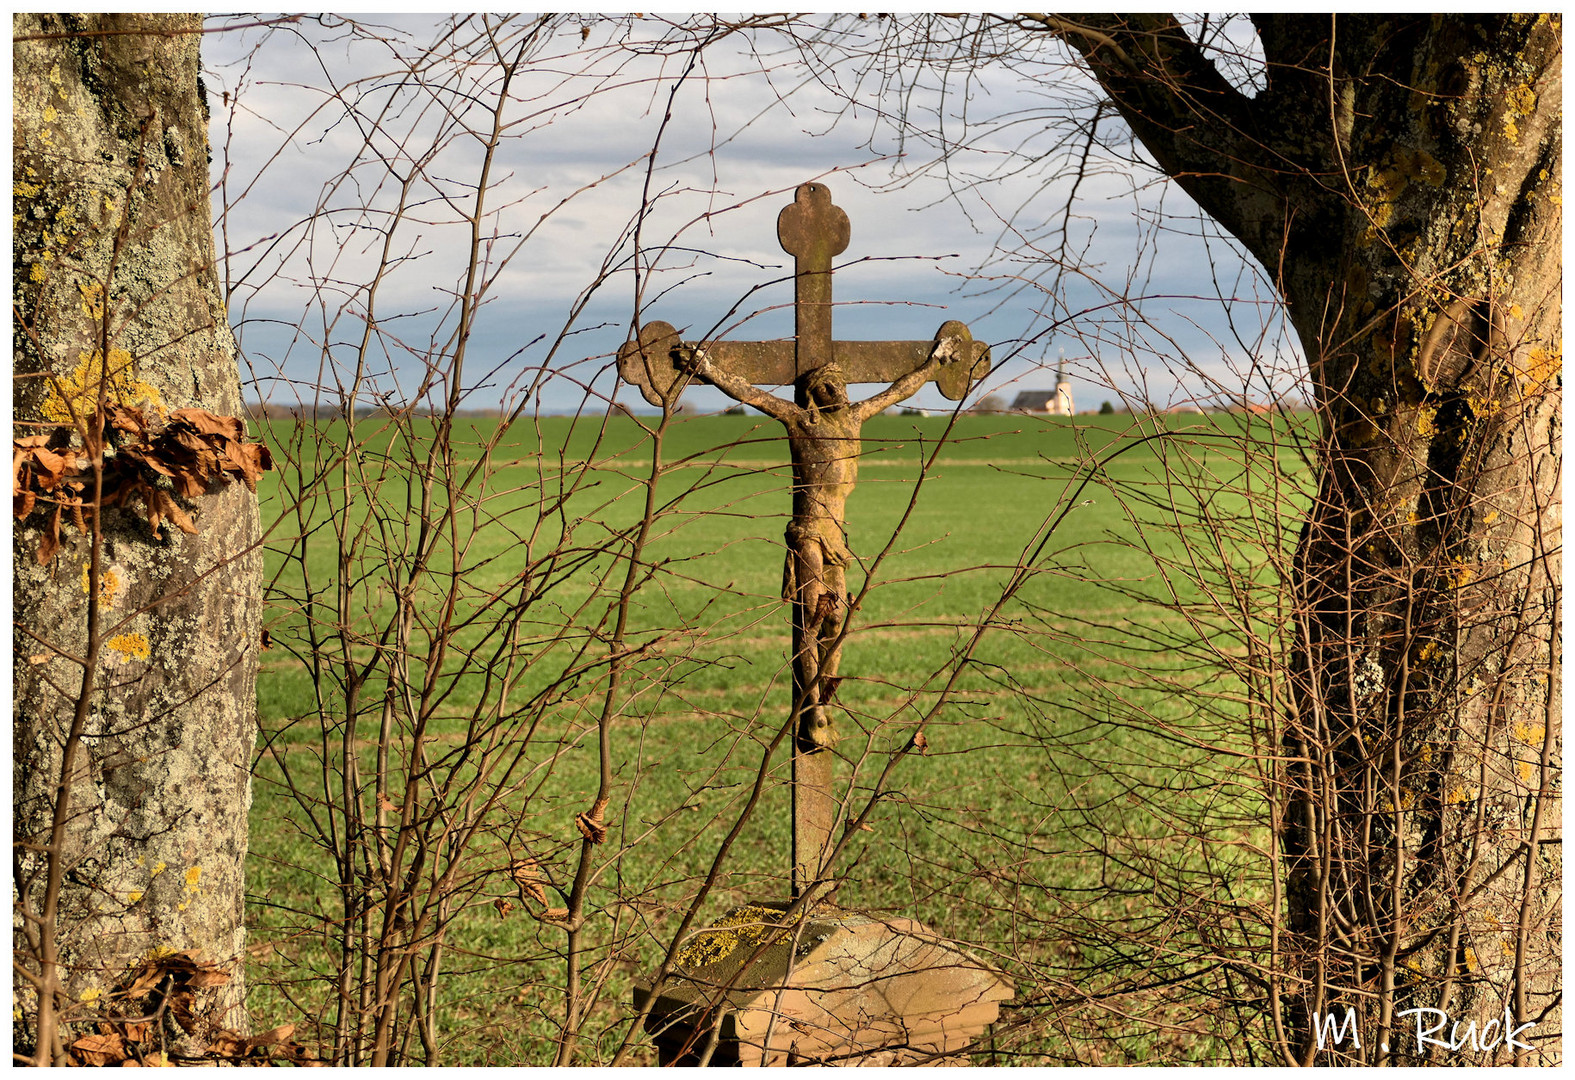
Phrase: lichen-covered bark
x=1401 y=180
x=115 y=290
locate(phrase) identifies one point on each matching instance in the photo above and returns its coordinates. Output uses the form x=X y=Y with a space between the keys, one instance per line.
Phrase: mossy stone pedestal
x=837 y=988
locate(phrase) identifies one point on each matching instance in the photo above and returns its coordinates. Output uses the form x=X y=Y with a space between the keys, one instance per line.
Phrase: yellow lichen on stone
x=748 y=927
x=193 y=876
x=90 y=995
x=1524 y=770
x=78 y=391
x=133 y=896
x=133 y=645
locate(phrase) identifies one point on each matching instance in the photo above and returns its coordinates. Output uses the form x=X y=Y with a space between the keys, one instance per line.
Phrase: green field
x=443 y=611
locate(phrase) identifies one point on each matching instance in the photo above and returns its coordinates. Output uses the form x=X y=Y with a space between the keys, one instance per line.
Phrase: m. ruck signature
x=1332 y=1032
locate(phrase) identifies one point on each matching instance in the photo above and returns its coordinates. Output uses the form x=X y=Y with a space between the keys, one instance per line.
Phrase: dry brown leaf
x=146 y=979
x=126 y=420
x=269 y=1038
x=503 y=906
x=227 y=1044
x=162 y=504
x=51 y=539
x=527 y=876
x=207 y=423
x=99 y=1049
x=591 y=824
x=251 y=460
x=207 y=979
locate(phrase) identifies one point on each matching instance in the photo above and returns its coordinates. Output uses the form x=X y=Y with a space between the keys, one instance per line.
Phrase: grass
x=1048 y=769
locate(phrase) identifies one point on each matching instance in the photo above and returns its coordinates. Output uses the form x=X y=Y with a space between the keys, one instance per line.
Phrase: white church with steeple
x=1057 y=402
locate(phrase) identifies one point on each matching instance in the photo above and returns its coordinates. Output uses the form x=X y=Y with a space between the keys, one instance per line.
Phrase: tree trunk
x=134 y=715
x=1400 y=179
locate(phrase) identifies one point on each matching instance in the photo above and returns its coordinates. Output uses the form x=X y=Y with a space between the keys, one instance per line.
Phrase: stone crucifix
x=823 y=436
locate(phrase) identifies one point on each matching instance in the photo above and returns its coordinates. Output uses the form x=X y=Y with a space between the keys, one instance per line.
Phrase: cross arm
x=649 y=362
x=955 y=361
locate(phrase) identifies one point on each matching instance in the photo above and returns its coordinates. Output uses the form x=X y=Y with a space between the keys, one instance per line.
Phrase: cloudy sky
x=637 y=172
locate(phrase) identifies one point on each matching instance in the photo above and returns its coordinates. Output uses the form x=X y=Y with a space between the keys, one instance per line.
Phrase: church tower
x=1061 y=404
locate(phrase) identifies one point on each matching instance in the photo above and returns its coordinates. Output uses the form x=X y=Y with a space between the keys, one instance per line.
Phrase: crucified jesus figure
x=823 y=438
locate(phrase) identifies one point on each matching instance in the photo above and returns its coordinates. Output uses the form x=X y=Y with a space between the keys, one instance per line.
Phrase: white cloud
x=571 y=182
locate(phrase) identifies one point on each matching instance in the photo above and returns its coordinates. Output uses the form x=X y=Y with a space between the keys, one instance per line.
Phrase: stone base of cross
x=823 y=426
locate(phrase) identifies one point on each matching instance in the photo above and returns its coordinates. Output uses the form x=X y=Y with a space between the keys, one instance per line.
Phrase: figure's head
x=827 y=387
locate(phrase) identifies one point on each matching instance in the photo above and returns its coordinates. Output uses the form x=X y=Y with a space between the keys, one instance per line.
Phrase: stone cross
x=823 y=437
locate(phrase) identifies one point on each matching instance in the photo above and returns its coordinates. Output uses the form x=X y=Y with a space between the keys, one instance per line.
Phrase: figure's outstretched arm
x=698 y=364
x=904 y=388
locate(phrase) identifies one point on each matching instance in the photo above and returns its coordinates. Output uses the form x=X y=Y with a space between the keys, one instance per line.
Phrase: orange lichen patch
x=131 y=645
x=1530 y=734
x=1524 y=770
x=1424 y=421
x=1543 y=368
x=1386 y=185
x=193 y=876
x=108 y=585
x=78 y=391
x=93 y=302
x=1519 y=101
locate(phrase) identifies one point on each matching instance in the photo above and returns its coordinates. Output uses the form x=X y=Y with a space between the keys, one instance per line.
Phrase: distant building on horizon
x=1057 y=402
